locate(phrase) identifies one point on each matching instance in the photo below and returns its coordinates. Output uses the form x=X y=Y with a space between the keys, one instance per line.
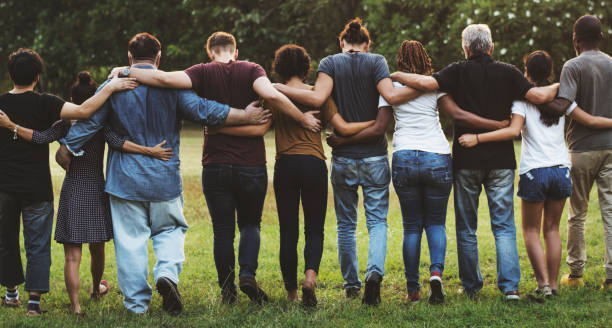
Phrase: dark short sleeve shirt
x=486 y=88
x=24 y=166
x=229 y=83
x=356 y=76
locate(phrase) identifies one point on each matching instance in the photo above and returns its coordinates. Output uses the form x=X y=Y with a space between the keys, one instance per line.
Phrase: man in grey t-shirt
x=586 y=79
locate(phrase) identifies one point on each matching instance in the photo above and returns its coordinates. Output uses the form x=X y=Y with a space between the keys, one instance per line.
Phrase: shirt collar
x=481 y=57
x=143 y=66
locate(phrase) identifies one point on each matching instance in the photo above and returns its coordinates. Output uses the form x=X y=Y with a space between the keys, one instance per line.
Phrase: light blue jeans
x=499 y=187
x=373 y=175
x=134 y=223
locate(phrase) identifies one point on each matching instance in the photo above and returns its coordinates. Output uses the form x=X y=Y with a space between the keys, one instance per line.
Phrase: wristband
x=15 y=131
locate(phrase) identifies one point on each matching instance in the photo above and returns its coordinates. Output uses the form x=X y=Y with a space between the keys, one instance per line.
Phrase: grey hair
x=477 y=38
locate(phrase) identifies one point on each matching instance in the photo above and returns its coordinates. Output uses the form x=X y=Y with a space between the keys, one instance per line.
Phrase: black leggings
x=298 y=176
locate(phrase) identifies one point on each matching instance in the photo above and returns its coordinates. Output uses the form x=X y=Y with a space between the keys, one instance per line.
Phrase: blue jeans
x=231 y=191
x=423 y=182
x=499 y=187
x=373 y=175
x=134 y=223
x=37 y=219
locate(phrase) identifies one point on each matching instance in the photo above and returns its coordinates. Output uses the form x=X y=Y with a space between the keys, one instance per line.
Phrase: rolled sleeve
x=201 y=110
x=82 y=131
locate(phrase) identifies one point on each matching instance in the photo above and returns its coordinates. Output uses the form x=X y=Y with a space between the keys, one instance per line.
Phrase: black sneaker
x=436 y=293
x=250 y=287
x=172 y=299
x=371 y=296
x=229 y=295
x=512 y=295
x=352 y=292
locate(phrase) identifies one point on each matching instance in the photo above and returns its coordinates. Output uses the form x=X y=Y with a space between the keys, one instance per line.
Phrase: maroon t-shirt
x=229 y=83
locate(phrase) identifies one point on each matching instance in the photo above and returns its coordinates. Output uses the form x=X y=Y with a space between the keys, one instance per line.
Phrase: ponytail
x=83 y=88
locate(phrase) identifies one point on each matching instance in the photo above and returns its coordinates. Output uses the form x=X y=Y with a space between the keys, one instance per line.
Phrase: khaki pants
x=588 y=167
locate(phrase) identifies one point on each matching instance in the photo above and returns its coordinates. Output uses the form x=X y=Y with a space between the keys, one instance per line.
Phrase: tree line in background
x=75 y=35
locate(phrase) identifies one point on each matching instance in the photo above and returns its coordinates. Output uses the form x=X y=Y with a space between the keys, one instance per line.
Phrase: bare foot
x=292 y=295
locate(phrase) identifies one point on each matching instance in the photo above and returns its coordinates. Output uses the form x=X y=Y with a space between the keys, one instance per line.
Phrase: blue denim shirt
x=146 y=116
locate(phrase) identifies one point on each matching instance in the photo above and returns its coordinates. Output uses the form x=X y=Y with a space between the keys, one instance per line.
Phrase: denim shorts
x=538 y=185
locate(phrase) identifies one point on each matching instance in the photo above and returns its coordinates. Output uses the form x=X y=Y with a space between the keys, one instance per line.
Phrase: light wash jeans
x=499 y=187
x=373 y=175
x=134 y=223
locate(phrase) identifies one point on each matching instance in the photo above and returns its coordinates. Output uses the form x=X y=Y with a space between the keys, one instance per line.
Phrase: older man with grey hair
x=486 y=88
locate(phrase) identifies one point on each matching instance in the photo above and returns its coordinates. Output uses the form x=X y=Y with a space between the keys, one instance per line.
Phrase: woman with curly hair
x=300 y=172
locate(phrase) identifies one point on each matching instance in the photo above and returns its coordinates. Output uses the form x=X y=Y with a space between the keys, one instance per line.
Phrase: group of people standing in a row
x=357 y=95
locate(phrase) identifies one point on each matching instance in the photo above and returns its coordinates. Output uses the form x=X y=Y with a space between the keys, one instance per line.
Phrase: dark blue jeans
x=423 y=183
x=37 y=225
x=229 y=191
x=499 y=187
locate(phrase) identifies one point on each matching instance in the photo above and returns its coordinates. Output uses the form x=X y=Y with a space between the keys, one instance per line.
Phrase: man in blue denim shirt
x=145 y=193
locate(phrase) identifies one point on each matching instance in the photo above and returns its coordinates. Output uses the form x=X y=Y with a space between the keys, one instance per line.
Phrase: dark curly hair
x=413 y=58
x=540 y=69
x=354 y=32
x=291 y=60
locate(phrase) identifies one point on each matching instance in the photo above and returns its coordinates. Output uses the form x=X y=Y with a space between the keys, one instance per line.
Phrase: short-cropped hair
x=144 y=46
x=24 y=66
x=219 y=40
x=587 y=29
x=477 y=38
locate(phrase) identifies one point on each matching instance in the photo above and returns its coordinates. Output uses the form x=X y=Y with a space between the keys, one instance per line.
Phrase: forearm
x=87 y=108
x=348 y=129
x=244 y=130
x=557 y=107
x=541 y=95
x=508 y=133
x=22 y=132
x=130 y=147
x=416 y=81
x=310 y=98
x=161 y=79
x=283 y=104
x=471 y=120
x=374 y=131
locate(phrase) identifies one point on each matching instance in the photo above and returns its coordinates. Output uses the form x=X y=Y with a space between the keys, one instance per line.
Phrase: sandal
x=99 y=295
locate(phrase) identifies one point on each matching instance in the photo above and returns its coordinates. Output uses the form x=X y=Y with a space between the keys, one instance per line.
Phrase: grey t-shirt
x=586 y=80
x=356 y=76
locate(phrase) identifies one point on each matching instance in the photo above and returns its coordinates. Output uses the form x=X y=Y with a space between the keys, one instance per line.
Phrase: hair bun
x=355 y=26
x=85 y=78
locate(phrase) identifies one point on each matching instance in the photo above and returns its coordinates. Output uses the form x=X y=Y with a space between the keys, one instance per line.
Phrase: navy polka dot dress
x=83 y=214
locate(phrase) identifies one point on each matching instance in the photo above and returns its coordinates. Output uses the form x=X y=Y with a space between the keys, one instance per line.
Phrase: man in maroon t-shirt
x=234 y=178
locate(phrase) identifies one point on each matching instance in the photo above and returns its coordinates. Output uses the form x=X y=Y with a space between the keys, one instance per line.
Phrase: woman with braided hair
x=422 y=171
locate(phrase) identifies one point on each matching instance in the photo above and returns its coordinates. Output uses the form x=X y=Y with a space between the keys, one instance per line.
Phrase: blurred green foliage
x=75 y=35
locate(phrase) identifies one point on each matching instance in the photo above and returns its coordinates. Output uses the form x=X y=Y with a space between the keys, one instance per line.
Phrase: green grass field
x=588 y=307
